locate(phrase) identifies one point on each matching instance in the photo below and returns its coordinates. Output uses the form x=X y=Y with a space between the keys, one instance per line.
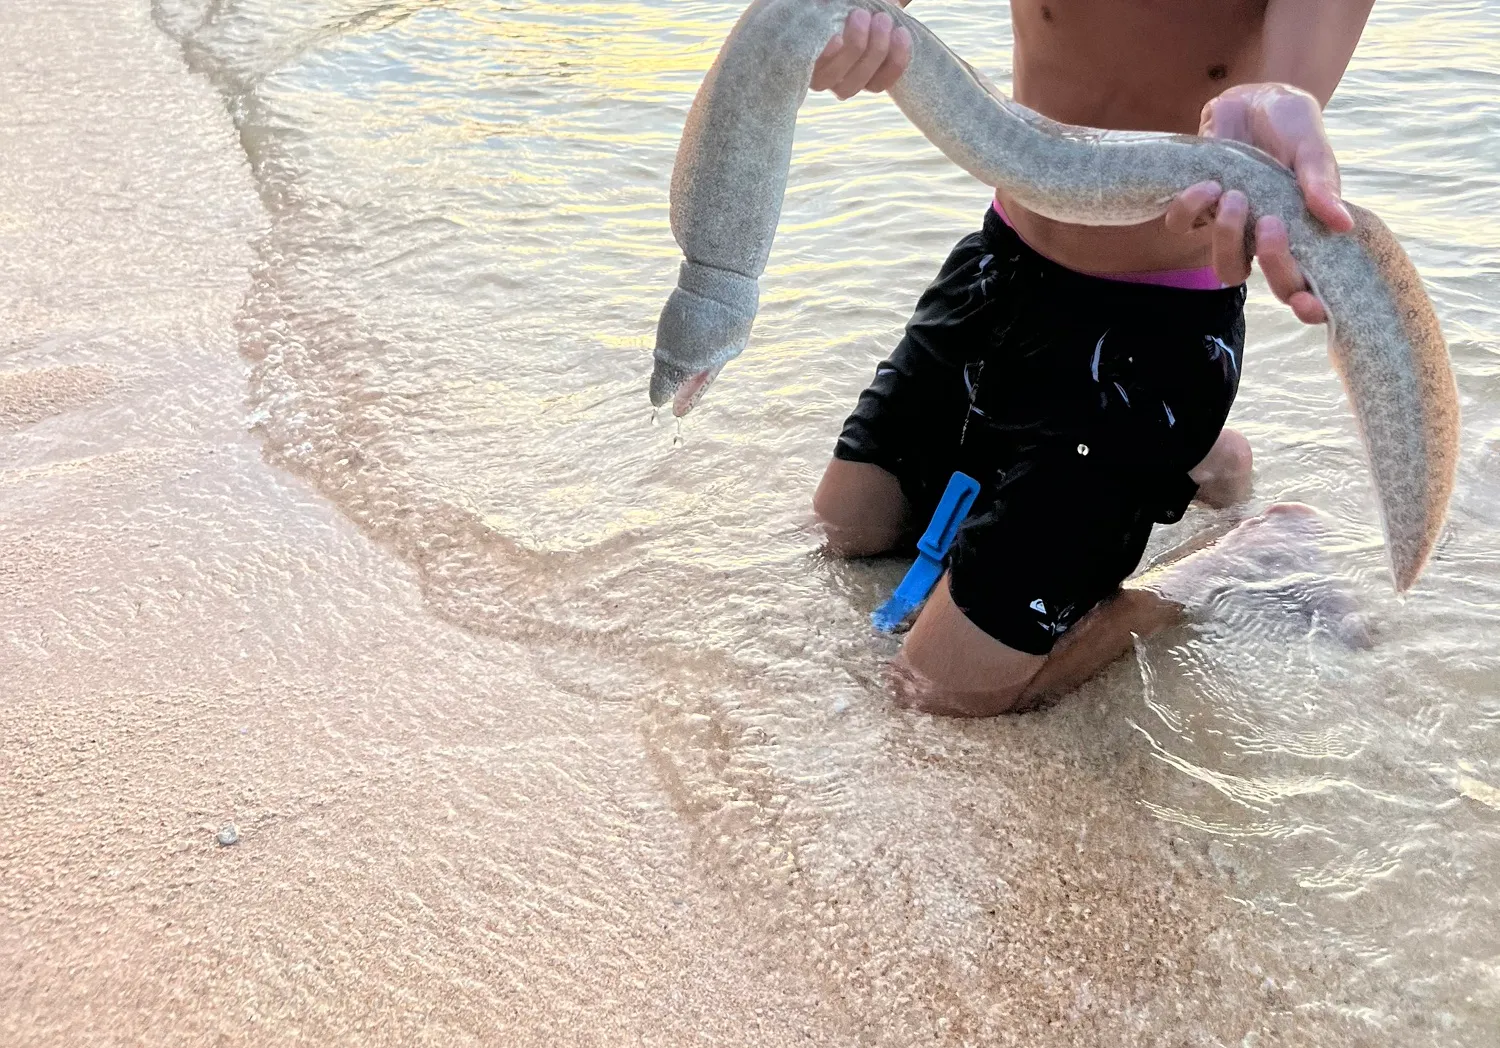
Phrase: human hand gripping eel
x=730 y=177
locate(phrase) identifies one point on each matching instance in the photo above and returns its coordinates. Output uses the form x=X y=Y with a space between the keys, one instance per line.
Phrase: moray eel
x=730 y=177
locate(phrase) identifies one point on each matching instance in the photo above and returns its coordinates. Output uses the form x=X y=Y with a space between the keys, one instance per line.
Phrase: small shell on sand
x=228 y=834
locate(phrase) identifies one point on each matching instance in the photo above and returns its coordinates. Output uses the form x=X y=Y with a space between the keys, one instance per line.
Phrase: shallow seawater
x=450 y=327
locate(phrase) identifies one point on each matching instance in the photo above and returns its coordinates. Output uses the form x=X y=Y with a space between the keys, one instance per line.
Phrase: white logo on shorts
x=1055 y=625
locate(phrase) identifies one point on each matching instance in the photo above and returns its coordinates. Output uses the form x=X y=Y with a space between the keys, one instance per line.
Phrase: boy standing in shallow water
x=1083 y=374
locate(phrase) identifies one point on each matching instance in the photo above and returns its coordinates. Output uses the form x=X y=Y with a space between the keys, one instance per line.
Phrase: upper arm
x=1308 y=43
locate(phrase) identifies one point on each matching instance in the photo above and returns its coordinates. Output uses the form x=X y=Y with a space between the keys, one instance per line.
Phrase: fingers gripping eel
x=730 y=177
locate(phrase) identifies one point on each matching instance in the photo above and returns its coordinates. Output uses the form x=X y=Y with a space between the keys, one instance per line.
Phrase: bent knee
x=1224 y=476
x=951 y=667
x=914 y=689
x=860 y=508
x=1236 y=458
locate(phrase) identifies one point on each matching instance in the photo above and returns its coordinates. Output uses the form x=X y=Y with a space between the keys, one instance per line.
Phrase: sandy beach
x=447 y=833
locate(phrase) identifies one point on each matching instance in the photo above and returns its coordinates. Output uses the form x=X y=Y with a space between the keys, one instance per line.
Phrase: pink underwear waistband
x=1202 y=279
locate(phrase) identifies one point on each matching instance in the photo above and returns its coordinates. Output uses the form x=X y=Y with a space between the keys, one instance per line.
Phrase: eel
x=730 y=177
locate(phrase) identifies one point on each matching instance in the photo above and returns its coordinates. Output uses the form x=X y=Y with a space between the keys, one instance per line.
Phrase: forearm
x=1308 y=43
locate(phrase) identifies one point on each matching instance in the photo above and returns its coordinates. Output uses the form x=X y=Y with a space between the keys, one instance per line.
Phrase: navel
x=1046 y=13
x=1218 y=72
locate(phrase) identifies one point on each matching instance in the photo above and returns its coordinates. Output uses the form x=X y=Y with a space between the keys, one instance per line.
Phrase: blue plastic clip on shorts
x=932 y=547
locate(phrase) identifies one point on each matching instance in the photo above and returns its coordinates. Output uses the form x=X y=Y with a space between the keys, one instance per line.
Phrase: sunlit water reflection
x=450 y=327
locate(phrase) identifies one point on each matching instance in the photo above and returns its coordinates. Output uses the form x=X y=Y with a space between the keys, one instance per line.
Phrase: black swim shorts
x=1078 y=403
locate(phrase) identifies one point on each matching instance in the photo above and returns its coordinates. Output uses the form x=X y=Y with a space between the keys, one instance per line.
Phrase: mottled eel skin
x=731 y=171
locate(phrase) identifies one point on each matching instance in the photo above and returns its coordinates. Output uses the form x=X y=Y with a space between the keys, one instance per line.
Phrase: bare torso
x=1144 y=65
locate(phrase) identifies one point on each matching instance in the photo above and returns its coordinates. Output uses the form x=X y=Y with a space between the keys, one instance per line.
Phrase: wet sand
x=439 y=840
